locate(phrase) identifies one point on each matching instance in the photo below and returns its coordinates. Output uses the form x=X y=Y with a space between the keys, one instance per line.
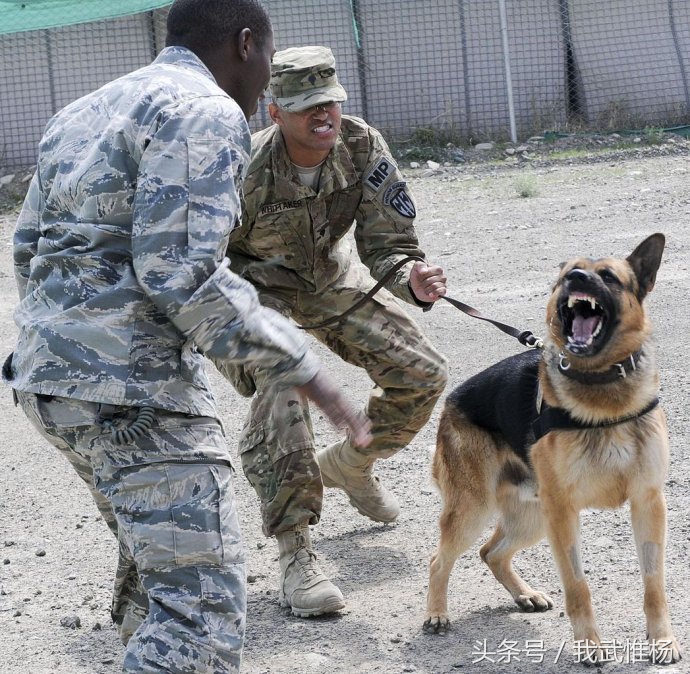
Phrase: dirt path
x=501 y=253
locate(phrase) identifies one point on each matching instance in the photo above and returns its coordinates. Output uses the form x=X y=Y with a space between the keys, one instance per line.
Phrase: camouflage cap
x=304 y=76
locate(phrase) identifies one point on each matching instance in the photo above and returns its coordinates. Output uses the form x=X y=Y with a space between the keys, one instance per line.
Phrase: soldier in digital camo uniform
x=313 y=174
x=119 y=259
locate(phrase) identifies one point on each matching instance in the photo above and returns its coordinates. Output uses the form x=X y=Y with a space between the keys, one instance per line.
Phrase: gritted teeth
x=581 y=297
x=322 y=129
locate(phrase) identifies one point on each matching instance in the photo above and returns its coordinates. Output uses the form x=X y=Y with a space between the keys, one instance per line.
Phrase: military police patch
x=397 y=197
x=378 y=175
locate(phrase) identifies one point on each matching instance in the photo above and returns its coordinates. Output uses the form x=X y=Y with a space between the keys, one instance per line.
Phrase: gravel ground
x=501 y=251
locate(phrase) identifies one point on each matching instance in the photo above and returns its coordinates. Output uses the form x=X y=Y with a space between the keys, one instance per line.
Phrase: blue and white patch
x=397 y=197
x=379 y=174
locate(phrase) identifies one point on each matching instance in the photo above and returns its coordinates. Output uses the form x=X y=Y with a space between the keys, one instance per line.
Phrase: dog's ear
x=645 y=261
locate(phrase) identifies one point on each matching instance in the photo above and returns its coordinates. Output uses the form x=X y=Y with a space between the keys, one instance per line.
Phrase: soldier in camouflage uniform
x=313 y=174
x=119 y=259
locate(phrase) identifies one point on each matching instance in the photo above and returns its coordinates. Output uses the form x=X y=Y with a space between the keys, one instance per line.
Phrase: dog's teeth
x=593 y=302
x=597 y=330
x=571 y=302
x=571 y=340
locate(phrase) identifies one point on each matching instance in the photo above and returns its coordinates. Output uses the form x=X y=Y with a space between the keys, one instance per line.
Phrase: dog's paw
x=436 y=624
x=664 y=651
x=535 y=601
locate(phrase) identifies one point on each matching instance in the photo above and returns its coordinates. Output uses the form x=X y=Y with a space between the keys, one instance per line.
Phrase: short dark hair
x=202 y=25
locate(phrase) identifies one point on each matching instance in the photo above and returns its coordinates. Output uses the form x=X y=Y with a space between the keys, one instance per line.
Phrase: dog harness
x=556 y=418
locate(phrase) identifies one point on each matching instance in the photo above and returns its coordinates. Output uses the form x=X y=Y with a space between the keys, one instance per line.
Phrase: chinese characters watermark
x=533 y=650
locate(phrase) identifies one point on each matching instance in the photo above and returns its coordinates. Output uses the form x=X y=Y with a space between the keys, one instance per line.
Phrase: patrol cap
x=304 y=76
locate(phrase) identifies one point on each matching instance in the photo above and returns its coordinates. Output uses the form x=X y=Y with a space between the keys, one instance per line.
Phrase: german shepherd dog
x=542 y=435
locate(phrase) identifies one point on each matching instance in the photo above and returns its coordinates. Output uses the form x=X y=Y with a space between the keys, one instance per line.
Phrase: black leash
x=525 y=337
x=386 y=277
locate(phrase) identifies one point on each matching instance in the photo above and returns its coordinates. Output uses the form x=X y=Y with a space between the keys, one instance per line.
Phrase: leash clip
x=526 y=338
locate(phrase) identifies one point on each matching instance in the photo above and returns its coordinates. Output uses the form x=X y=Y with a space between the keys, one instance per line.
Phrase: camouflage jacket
x=119 y=248
x=298 y=234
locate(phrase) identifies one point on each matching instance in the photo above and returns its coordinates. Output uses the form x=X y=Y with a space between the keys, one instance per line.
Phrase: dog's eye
x=607 y=276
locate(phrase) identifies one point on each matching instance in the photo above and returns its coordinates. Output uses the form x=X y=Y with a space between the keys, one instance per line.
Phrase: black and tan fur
x=538 y=488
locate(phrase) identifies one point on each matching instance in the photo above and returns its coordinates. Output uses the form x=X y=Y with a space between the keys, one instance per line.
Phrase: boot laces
x=305 y=560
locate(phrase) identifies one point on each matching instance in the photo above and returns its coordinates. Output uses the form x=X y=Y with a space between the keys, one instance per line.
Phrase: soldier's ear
x=274 y=112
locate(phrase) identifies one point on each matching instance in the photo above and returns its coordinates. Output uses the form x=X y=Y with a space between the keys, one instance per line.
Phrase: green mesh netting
x=22 y=15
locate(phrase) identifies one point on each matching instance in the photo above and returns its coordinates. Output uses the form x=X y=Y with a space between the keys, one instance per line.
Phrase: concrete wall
x=628 y=59
x=411 y=63
x=445 y=68
x=42 y=71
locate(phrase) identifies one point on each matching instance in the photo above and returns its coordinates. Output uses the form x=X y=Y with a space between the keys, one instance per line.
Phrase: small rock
x=6 y=180
x=6 y=560
x=414 y=164
x=251 y=578
x=71 y=621
x=433 y=164
x=510 y=151
x=40 y=553
x=16 y=614
x=484 y=146
x=97 y=627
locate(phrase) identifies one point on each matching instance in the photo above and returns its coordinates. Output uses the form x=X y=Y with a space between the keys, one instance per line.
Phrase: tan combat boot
x=342 y=466
x=303 y=586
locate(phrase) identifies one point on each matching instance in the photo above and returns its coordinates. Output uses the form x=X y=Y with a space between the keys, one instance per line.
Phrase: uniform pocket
x=178 y=515
x=250 y=438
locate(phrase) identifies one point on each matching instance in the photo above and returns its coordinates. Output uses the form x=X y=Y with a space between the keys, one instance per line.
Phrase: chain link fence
x=459 y=71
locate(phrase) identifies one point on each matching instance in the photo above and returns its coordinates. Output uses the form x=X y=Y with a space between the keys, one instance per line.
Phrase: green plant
x=653 y=135
x=526 y=186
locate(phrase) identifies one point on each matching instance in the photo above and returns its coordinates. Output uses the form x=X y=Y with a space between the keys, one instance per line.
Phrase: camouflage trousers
x=179 y=599
x=409 y=374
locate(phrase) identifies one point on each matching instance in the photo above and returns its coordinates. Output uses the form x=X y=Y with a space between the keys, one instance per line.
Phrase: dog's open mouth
x=584 y=322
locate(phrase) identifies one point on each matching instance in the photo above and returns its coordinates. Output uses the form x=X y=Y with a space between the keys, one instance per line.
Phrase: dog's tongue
x=584 y=327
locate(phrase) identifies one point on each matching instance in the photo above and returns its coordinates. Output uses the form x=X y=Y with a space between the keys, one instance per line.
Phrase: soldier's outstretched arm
x=186 y=202
x=326 y=395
